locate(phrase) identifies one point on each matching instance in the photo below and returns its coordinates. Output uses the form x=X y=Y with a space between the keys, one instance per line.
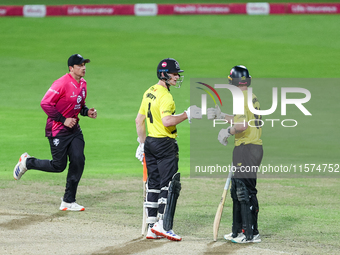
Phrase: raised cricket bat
x=145 y=177
x=220 y=207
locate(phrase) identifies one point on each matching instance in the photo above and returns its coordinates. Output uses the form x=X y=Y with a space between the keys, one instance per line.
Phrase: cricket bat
x=145 y=177
x=220 y=207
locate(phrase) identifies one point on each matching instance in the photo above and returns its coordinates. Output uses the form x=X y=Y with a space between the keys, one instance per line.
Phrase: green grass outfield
x=124 y=52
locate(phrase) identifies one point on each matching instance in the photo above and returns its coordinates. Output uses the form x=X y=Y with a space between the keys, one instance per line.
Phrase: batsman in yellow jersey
x=161 y=150
x=247 y=156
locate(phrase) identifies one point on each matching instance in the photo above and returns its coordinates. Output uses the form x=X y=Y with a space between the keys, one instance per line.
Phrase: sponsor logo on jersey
x=54 y=91
x=151 y=96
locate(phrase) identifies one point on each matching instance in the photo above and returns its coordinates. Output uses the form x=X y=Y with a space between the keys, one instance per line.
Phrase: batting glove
x=215 y=113
x=140 y=151
x=193 y=112
x=223 y=136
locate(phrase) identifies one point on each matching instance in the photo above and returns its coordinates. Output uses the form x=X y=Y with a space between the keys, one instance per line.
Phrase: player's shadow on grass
x=134 y=246
x=24 y=220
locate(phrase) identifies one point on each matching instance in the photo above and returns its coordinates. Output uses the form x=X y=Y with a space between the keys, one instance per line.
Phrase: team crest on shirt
x=79 y=99
x=56 y=142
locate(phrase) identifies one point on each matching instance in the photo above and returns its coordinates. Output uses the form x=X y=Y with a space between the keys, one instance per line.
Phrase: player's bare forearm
x=173 y=120
x=236 y=127
x=141 y=133
x=140 y=127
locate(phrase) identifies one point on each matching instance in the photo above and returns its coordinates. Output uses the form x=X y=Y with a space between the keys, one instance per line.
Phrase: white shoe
x=20 y=167
x=151 y=235
x=70 y=207
x=241 y=238
x=230 y=236
x=159 y=230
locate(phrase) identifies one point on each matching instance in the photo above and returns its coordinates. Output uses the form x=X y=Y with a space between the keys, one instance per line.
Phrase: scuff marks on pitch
x=12 y=221
x=134 y=246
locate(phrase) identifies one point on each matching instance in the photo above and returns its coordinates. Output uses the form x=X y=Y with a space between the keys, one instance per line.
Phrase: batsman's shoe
x=20 y=167
x=241 y=238
x=172 y=236
x=159 y=230
x=70 y=207
x=151 y=235
x=229 y=237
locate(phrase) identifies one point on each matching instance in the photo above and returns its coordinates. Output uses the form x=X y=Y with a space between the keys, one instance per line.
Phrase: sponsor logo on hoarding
x=258 y=8
x=298 y=8
x=201 y=9
x=75 y=10
x=34 y=10
x=146 y=9
x=185 y=9
x=3 y=12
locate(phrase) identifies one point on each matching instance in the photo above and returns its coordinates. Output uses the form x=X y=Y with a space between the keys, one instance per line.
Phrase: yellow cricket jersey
x=253 y=133
x=156 y=104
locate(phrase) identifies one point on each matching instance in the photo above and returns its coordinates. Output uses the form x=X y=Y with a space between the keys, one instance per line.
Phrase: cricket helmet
x=239 y=75
x=166 y=66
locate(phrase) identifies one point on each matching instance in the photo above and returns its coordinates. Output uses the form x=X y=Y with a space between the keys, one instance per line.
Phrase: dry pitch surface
x=30 y=223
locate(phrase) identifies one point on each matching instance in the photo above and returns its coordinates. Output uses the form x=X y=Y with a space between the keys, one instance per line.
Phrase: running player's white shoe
x=241 y=238
x=159 y=230
x=20 y=167
x=70 y=206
